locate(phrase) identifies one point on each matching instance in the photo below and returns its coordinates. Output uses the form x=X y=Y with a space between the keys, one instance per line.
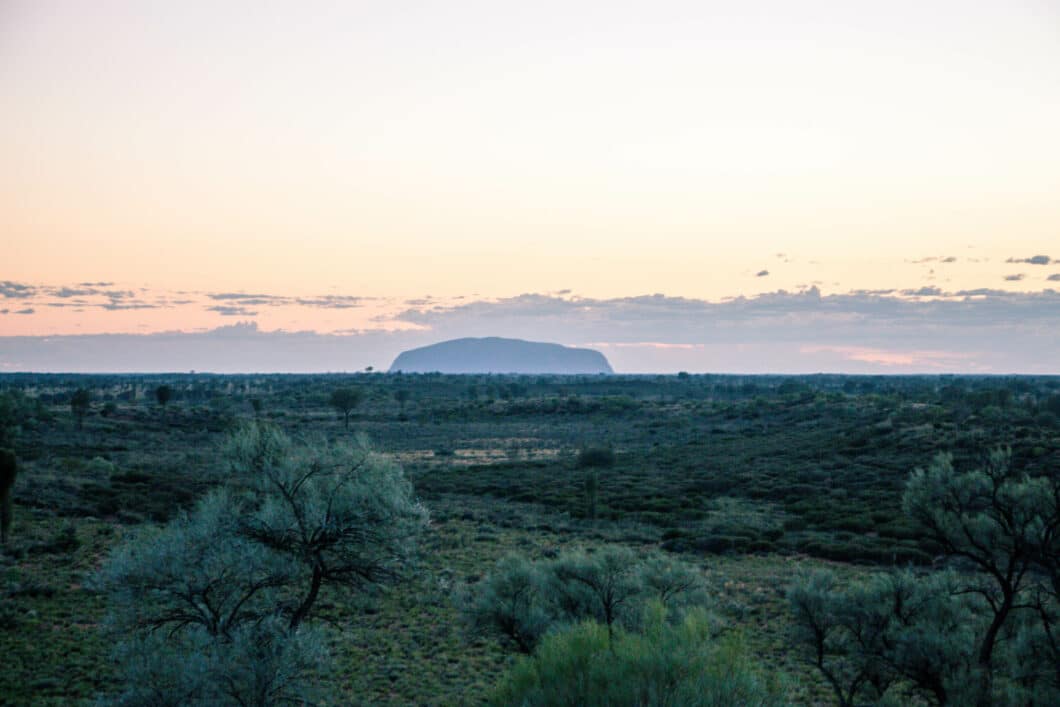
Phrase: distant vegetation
x=8 y=472
x=654 y=540
x=345 y=401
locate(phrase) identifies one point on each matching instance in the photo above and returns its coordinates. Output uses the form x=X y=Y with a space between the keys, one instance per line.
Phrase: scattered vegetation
x=543 y=567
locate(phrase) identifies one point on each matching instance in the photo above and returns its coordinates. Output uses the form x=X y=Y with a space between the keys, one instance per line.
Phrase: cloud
x=16 y=290
x=1055 y=277
x=1014 y=278
x=242 y=296
x=762 y=273
x=95 y=284
x=116 y=306
x=66 y=292
x=943 y=360
x=1033 y=260
x=1003 y=331
x=117 y=294
x=330 y=301
x=926 y=291
x=643 y=345
x=232 y=311
x=263 y=300
x=926 y=329
x=980 y=292
x=933 y=259
x=237 y=348
x=27 y=310
x=251 y=301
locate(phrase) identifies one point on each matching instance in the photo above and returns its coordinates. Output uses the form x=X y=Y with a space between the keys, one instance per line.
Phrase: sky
x=708 y=186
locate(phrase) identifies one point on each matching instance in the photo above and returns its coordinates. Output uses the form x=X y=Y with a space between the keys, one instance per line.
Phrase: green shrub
x=668 y=665
x=512 y=603
x=520 y=601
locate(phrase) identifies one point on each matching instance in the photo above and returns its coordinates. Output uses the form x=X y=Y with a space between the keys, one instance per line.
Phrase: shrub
x=511 y=602
x=596 y=458
x=666 y=665
x=520 y=601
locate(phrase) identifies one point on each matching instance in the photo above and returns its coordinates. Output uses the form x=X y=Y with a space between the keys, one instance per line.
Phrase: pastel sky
x=375 y=167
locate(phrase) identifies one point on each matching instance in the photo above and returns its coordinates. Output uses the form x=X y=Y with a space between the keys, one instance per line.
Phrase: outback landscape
x=771 y=501
x=682 y=353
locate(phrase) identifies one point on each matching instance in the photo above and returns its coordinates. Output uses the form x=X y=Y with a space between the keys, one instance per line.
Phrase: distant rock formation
x=497 y=355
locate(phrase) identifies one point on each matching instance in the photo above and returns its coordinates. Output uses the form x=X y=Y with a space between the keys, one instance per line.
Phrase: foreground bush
x=520 y=601
x=667 y=665
x=259 y=664
x=986 y=632
x=217 y=606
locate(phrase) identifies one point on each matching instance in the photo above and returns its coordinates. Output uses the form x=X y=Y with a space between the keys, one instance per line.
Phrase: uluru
x=499 y=355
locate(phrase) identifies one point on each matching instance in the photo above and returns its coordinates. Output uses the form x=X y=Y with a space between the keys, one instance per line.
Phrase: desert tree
x=993 y=522
x=344 y=514
x=603 y=584
x=982 y=632
x=80 y=404
x=512 y=602
x=8 y=472
x=671 y=582
x=163 y=394
x=595 y=458
x=345 y=401
x=892 y=627
x=818 y=620
x=14 y=409
x=197 y=571
x=1037 y=655
x=222 y=597
x=592 y=459
x=401 y=395
x=261 y=665
x=184 y=595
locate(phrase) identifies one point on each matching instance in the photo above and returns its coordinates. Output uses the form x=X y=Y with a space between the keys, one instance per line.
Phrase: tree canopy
x=225 y=591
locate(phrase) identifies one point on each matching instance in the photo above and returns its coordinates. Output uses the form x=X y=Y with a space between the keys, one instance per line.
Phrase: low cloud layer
x=1033 y=260
x=262 y=300
x=914 y=330
x=103 y=295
